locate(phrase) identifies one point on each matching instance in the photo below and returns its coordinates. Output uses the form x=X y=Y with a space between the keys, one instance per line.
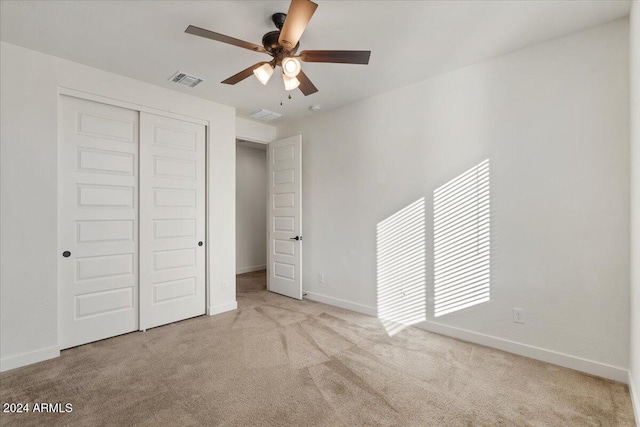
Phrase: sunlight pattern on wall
x=401 y=268
x=461 y=241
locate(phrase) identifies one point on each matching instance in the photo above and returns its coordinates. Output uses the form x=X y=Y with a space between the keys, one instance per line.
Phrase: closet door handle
x=200 y=243
x=295 y=238
x=66 y=254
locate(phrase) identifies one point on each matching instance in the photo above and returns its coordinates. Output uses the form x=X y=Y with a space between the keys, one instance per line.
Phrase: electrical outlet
x=518 y=315
x=320 y=278
x=224 y=284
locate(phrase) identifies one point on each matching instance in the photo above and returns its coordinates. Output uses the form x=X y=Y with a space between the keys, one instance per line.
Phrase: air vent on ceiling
x=265 y=115
x=186 y=79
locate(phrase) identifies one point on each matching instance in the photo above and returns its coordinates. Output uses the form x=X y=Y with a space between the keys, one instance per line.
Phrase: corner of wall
x=633 y=392
x=634 y=356
x=222 y=308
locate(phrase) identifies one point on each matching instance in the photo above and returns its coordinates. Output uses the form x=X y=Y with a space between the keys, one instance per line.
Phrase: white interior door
x=284 y=251
x=172 y=220
x=98 y=226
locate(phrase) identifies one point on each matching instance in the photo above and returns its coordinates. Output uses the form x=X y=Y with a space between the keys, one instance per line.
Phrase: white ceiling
x=409 y=40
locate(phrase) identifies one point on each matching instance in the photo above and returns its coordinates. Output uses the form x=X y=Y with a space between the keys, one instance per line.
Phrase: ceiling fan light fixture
x=291 y=67
x=263 y=73
x=290 y=83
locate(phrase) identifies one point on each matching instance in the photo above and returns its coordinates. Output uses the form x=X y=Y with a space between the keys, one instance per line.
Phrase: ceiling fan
x=282 y=45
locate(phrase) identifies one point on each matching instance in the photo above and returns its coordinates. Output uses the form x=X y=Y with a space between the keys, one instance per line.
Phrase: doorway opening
x=251 y=216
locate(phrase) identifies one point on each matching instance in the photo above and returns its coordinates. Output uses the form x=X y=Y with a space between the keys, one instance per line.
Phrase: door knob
x=199 y=243
x=295 y=238
x=66 y=254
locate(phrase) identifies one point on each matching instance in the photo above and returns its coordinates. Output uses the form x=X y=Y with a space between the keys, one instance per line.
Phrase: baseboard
x=633 y=391
x=29 y=358
x=579 y=364
x=360 y=308
x=572 y=362
x=222 y=308
x=251 y=269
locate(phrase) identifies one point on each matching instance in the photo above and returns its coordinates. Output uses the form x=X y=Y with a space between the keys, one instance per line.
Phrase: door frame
x=87 y=96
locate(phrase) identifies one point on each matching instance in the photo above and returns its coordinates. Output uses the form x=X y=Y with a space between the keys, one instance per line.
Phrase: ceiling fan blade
x=298 y=16
x=197 y=31
x=306 y=86
x=336 y=56
x=236 y=78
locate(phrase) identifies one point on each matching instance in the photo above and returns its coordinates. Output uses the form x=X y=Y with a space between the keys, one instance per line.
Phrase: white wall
x=635 y=205
x=554 y=121
x=250 y=130
x=30 y=82
x=251 y=209
x=28 y=215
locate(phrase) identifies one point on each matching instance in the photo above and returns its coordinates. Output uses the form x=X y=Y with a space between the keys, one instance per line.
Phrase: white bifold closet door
x=98 y=221
x=172 y=220
x=131 y=217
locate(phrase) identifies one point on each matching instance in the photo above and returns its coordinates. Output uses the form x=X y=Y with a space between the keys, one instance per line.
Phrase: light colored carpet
x=276 y=362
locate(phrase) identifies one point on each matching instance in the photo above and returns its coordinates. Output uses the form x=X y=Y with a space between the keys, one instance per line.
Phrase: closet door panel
x=98 y=221
x=172 y=220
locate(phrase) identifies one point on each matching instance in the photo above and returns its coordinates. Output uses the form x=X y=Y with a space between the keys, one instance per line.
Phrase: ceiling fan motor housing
x=278 y=19
x=270 y=41
x=273 y=46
